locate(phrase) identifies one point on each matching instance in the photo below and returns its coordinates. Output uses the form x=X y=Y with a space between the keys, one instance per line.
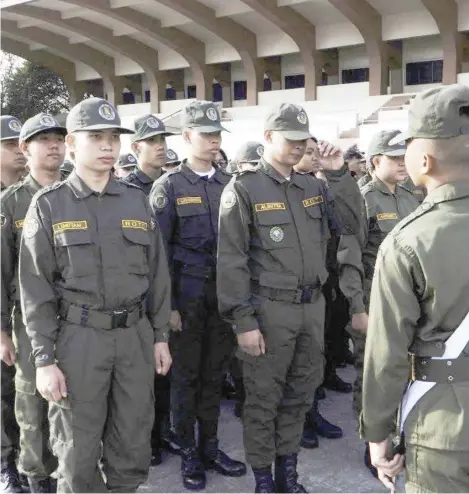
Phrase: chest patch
x=386 y=216
x=269 y=206
x=312 y=201
x=19 y=223
x=183 y=201
x=135 y=224
x=65 y=226
x=276 y=234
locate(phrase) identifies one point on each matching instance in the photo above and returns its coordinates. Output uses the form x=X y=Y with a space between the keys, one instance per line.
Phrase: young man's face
x=204 y=146
x=151 y=151
x=391 y=169
x=11 y=157
x=309 y=163
x=96 y=150
x=45 y=151
x=284 y=151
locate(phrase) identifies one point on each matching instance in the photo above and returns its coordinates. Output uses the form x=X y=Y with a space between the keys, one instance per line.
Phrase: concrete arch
x=192 y=49
x=102 y=64
x=445 y=15
x=302 y=32
x=241 y=39
x=368 y=21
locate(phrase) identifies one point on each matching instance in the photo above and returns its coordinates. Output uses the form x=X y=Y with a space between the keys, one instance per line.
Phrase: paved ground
x=336 y=466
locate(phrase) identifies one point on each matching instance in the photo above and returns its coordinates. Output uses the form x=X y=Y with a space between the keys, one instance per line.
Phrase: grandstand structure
x=353 y=64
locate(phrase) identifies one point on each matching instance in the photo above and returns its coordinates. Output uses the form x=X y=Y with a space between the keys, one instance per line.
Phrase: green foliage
x=28 y=89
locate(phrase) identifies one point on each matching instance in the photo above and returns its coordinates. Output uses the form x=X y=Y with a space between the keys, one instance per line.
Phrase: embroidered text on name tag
x=312 y=201
x=182 y=201
x=69 y=225
x=270 y=206
x=137 y=224
x=386 y=216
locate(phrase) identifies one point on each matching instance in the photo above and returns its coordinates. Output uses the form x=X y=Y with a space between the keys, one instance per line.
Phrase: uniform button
x=424 y=362
x=449 y=363
x=450 y=379
x=439 y=345
x=424 y=377
x=234 y=326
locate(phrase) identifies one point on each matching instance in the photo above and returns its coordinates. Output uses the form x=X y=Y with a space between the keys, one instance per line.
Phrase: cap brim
x=122 y=130
x=130 y=165
x=295 y=135
x=400 y=138
x=165 y=133
x=41 y=131
x=207 y=129
x=396 y=152
x=12 y=138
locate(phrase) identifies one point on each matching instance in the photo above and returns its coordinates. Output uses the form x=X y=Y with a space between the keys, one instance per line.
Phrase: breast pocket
x=135 y=250
x=317 y=224
x=276 y=230
x=75 y=253
x=194 y=221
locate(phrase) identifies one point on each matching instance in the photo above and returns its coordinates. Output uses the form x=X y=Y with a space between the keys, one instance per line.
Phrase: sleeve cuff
x=373 y=434
x=245 y=325
x=331 y=174
x=162 y=335
x=44 y=360
x=357 y=306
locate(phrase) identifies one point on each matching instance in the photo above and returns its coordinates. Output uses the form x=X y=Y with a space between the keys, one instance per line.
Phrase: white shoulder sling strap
x=455 y=344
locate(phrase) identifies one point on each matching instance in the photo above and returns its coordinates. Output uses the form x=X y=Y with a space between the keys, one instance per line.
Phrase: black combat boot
x=9 y=477
x=335 y=383
x=320 y=425
x=309 y=439
x=192 y=470
x=286 y=476
x=264 y=481
x=40 y=486
x=215 y=459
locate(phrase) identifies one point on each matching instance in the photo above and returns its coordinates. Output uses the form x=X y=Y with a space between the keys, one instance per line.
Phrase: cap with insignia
x=67 y=166
x=10 y=128
x=126 y=160
x=380 y=144
x=149 y=126
x=290 y=121
x=42 y=122
x=94 y=114
x=439 y=113
x=172 y=157
x=203 y=116
x=249 y=152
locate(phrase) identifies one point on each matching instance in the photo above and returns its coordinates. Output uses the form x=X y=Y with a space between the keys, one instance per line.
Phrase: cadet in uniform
x=149 y=145
x=12 y=165
x=386 y=202
x=419 y=306
x=248 y=156
x=186 y=203
x=95 y=297
x=42 y=140
x=125 y=165
x=172 y=160
x=355 y=161
x=274 y=227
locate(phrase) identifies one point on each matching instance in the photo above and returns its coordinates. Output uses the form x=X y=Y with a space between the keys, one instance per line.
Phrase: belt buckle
x=119 y=318
x=307 y=294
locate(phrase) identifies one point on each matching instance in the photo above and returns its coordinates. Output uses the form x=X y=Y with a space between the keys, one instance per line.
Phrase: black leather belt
x=119 y=318
x=302 y=295
x=440 y=371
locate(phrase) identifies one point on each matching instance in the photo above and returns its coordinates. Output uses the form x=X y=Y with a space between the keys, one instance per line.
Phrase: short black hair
x=314 y=139
x=353 y=153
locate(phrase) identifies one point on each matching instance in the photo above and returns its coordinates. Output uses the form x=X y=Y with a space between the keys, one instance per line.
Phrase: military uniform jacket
x=102 y=251
x=419 y=297
x=273 y=231
x=15 y=203
x=186 y=207
x=140 y=179
x=384 y=210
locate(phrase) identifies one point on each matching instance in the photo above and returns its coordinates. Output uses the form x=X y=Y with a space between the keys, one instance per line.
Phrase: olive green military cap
x=172 y=157
x=380 y=144
x=149 y=126
x=249 y=152
x=203 y=116
x=42 y=122
x=10 y=128
x=289 y=120
x=439 y=113
x=126 y=160
x=94 y=114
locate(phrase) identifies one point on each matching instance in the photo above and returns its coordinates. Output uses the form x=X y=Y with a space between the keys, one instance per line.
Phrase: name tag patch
x=270 y=206
x=386 y=216
x=19 y=223
x=65 y=226
x=312 y=201
x=183 y=201
x=136 y=224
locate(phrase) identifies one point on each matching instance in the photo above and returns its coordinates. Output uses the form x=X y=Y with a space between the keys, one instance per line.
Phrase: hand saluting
x=330 y=157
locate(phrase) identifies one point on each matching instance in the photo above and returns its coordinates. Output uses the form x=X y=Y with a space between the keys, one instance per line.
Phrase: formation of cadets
x=131 y=282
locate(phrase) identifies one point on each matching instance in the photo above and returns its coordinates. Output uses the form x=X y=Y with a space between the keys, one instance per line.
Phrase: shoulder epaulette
x=370 y=186
x=247 y=171
x=45 y=190
x=420 y=211
x=129 y=184
x=10 y=190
